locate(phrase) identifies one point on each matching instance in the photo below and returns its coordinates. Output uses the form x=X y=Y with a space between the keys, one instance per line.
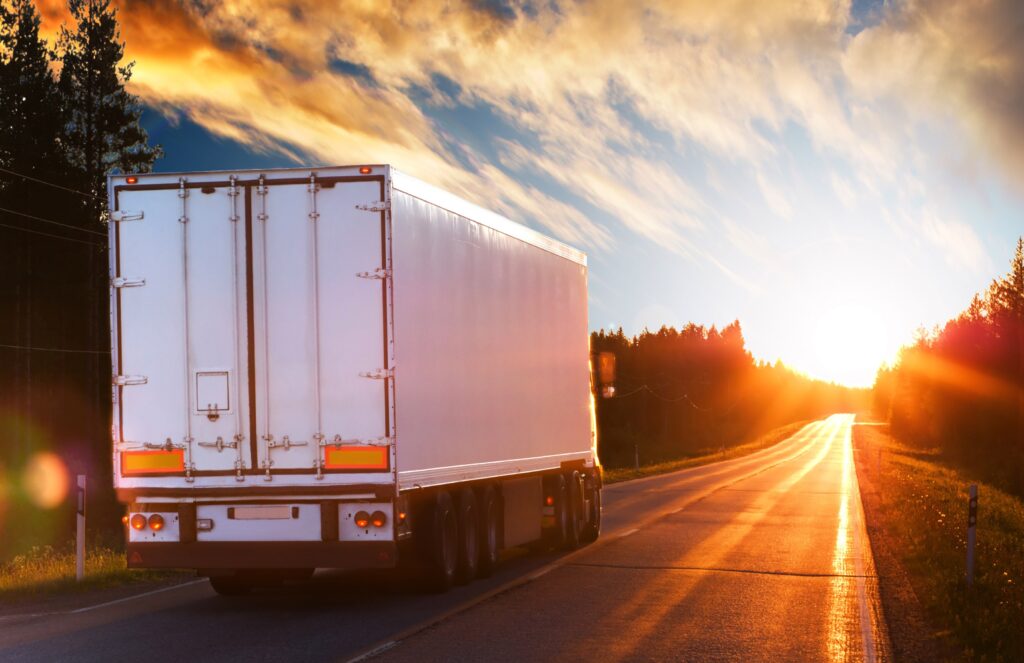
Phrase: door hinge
x=375 y=206
x=126 y=380
x=379 y=374
x=126 y=282
x=378 y=273
x=122 y=215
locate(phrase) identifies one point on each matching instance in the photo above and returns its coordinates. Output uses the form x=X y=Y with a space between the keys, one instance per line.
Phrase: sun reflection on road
x=849 y=622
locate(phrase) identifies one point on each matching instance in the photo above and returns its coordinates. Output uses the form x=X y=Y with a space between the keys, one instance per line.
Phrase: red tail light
x=138 y=521
x=156 y=522
x=549 y=501
x=378 y=519
x=362 y=519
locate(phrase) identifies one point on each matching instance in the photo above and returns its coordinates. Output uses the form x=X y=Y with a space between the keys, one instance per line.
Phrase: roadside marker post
x=80 y=533
x=972 y=521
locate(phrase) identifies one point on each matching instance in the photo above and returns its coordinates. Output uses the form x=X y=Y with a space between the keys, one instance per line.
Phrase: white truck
x=343 y=367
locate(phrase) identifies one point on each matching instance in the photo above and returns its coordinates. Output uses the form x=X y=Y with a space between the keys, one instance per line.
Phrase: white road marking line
x=627 y=533
x=29 y=615
x=133 y=597
x=543 y=571
x=373 y=652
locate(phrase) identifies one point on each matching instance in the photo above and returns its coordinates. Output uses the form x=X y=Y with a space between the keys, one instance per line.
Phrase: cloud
x=959 y=243
x=774 y=197
x=622 y=117
x=954 y=59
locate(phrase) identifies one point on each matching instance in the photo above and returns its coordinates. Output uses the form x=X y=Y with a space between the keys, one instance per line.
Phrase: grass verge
x=922 y=509
x=46 y=571
x=616 y=474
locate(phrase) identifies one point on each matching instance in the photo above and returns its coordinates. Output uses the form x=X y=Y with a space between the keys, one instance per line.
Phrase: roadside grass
x=44 y=571
x=616 y=474
x=924 y=514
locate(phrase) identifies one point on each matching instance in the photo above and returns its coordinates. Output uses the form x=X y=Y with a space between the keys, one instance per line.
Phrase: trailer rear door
x=250 y=318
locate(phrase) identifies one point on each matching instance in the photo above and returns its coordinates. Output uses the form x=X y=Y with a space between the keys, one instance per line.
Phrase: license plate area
x=259 y=522
x=274 y=512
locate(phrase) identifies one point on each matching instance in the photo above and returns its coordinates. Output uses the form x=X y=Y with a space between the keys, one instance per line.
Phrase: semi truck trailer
x=343 y=368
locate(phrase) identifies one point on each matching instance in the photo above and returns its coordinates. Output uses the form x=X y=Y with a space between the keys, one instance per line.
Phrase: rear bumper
x=263 y=555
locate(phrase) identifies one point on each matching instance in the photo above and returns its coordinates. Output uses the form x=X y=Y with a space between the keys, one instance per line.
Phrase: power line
x=664 y=399
x=55 y=186
x=56 y=223
x=33 y=349
x=36 y=232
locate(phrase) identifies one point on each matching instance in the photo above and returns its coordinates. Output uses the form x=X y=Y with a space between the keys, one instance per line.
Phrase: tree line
x=697 y=389
x=960 y=388
x=66 y=121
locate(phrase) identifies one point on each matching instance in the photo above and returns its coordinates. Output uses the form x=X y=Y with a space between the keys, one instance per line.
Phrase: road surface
x=764 y=557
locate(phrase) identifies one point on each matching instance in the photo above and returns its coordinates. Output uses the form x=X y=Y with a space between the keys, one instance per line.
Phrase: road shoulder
x=911 y=637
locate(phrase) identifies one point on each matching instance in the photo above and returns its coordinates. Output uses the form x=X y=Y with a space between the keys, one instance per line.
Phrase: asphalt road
x=759 y=558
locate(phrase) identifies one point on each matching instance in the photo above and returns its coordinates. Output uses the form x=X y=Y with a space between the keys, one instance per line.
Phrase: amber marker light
x=156 y=522
x=549 y=501
x=362 y=519
x=138 y=521
x=378 y=519
x=131 y=179
x=365 y=170
x=401 y=516
x=124 y=519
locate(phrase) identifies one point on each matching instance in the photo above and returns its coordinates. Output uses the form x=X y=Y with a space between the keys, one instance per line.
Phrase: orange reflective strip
x=152 y=462
x=356 y=458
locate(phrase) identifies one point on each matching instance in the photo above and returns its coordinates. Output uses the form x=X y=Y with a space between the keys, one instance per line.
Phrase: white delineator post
x=972 y=520
x=80 y=534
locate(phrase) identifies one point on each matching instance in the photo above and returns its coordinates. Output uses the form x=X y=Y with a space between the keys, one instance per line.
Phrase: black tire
x=469 y=542
x=490 y=521
x=592 y=530
x=559 y=533
x=574 y=488
x=440 y=539
x=230 y=585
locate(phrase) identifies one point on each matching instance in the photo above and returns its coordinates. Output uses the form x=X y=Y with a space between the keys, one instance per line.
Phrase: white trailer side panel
x=492 y=374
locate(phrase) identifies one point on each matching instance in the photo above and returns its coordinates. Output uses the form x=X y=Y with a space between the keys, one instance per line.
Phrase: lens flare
x=46 y=480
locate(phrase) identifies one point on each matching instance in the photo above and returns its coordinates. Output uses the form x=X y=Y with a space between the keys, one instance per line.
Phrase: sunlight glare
x=849 y=344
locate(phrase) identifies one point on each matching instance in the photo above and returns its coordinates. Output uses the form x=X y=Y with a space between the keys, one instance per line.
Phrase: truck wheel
x=593 y=527
x=469 y=544
x=490 y=520
x=575 y=508
x=559 y=533
x=441 y=543
x=230 y=585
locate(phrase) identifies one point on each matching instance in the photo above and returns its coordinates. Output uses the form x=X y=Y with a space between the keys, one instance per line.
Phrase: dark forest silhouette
x=961 y=388
x=66 y=121
x=684 y=392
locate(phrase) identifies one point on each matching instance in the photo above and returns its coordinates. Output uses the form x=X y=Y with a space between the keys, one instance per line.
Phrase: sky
x=834 y=175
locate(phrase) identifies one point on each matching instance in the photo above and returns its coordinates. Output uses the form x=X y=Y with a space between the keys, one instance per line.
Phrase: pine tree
x=29 y=106
x=102 y=130
x=30 y=126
